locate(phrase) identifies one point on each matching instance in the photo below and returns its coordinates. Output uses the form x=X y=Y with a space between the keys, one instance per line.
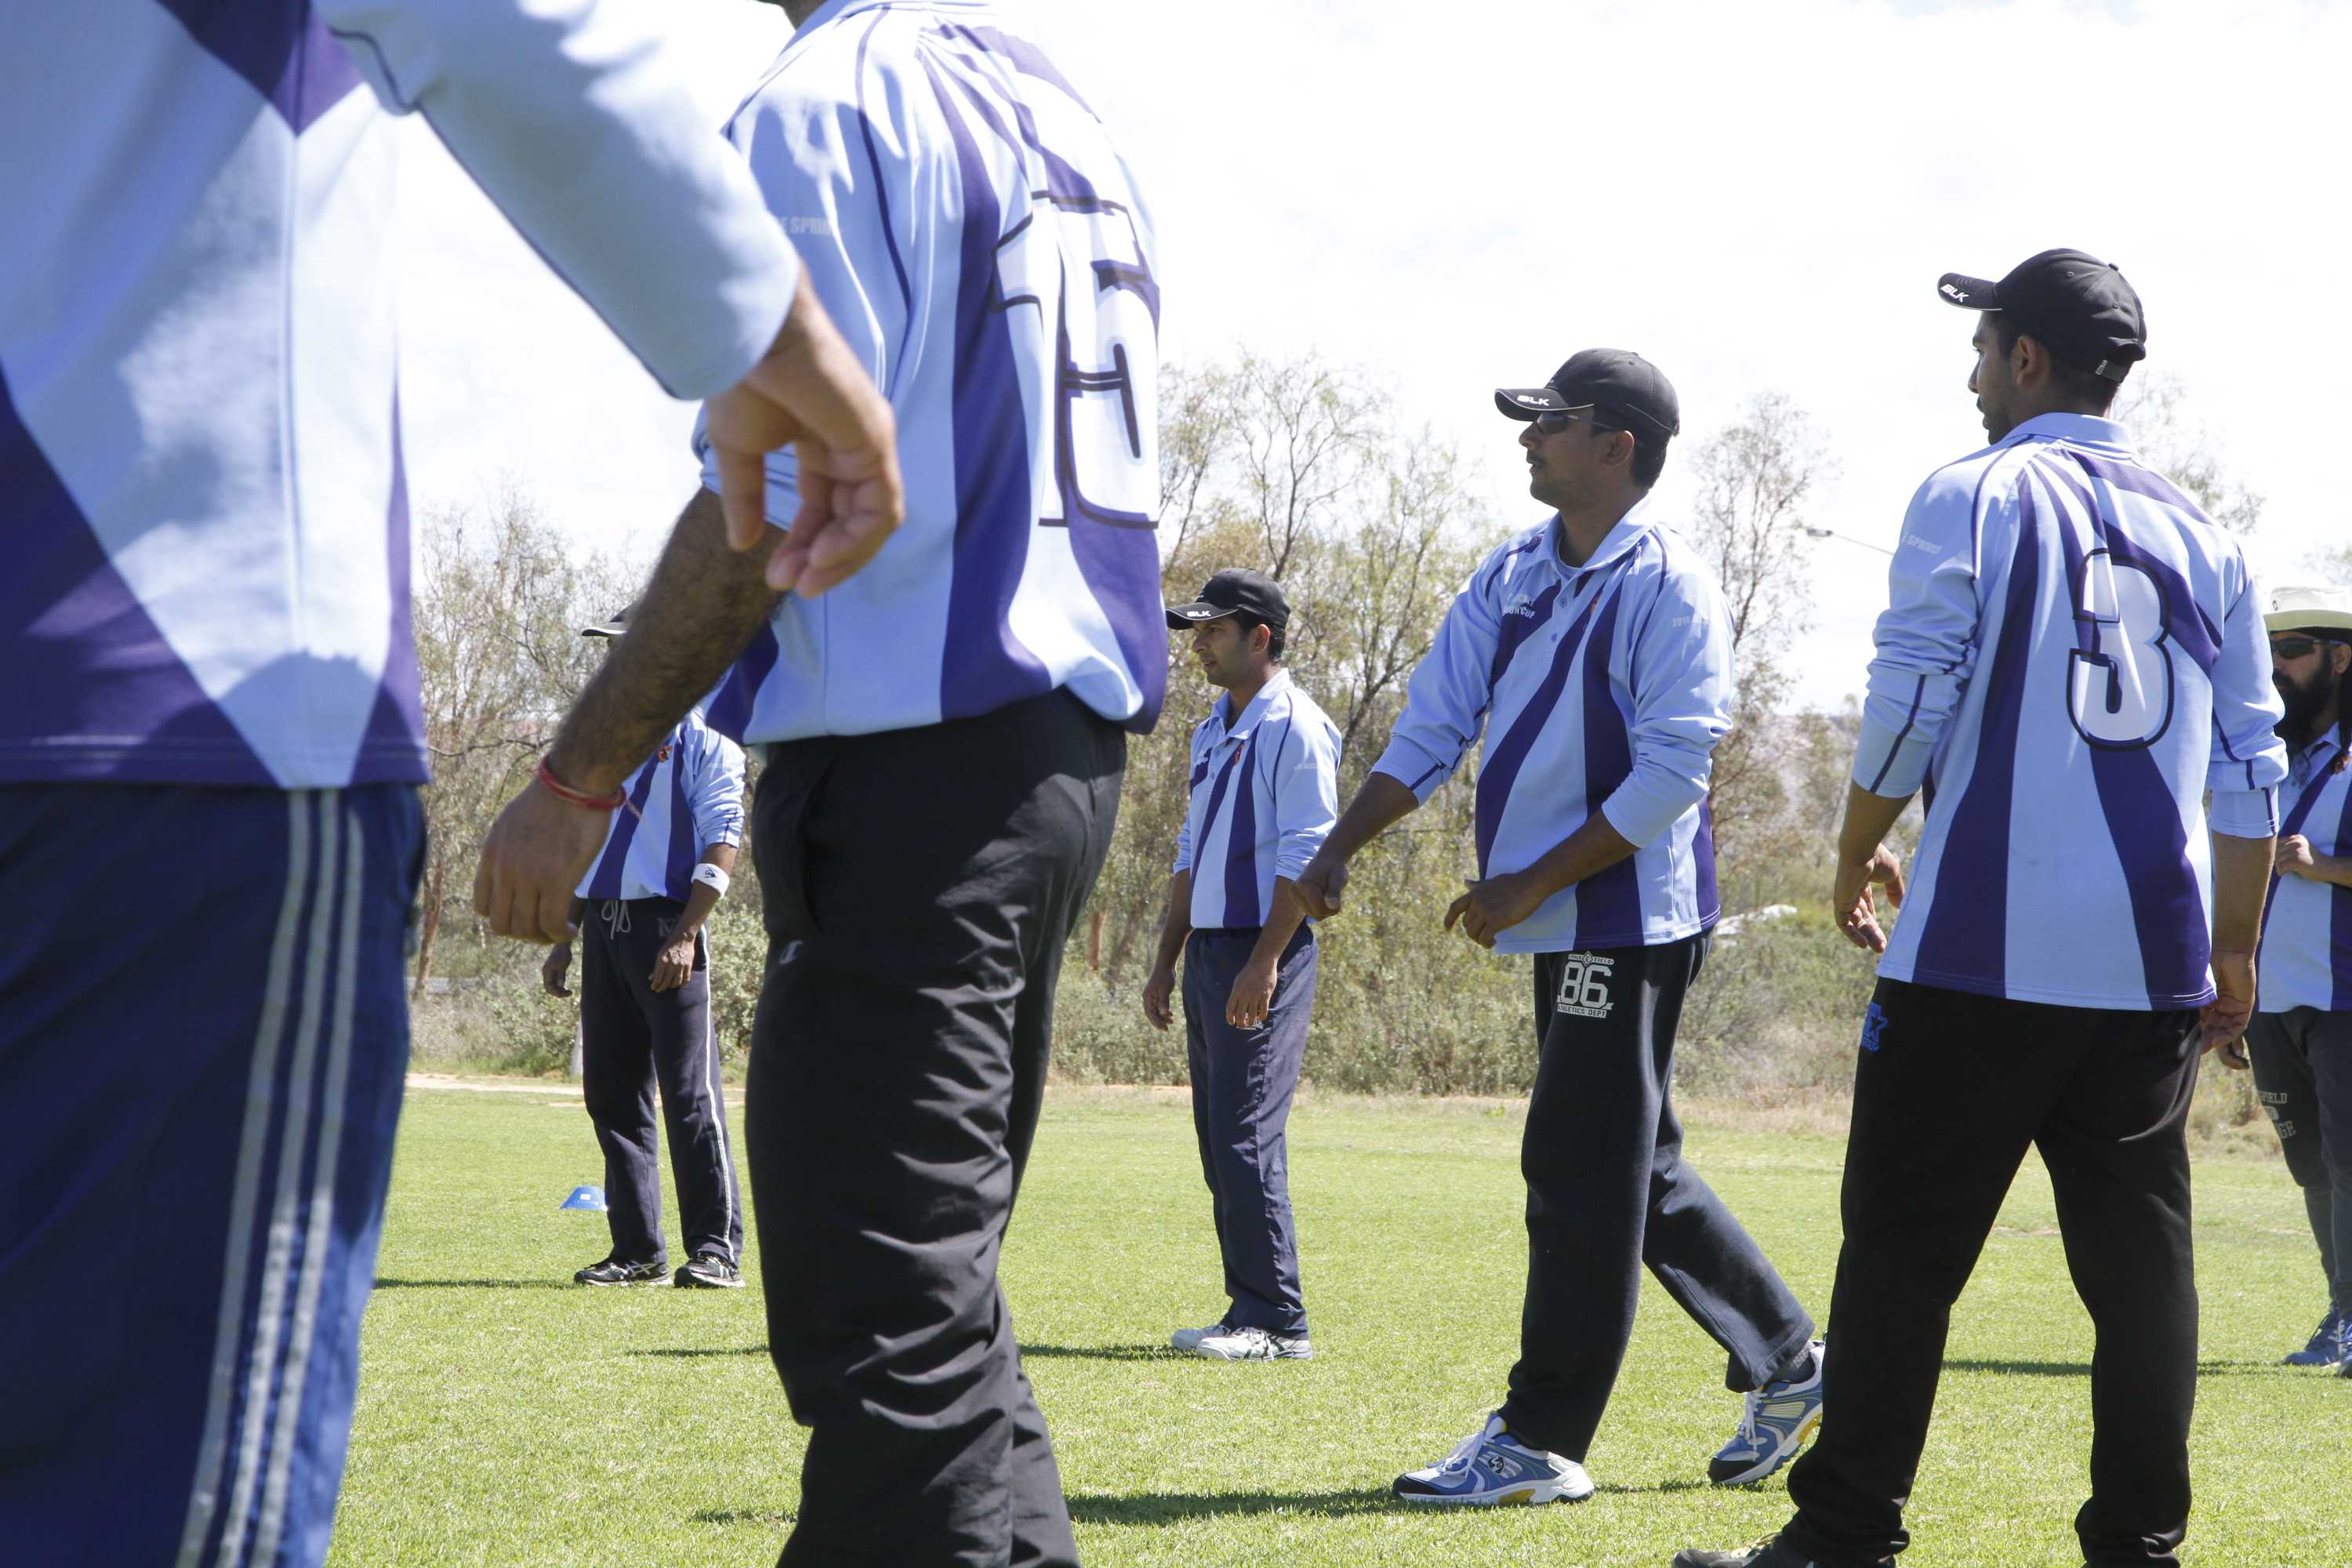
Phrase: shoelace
x=1467 y=1450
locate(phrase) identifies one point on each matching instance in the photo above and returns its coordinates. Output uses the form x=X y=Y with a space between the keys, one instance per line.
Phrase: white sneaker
x=1190 y=1339
x=1252 y=1344
x=1490 y=1466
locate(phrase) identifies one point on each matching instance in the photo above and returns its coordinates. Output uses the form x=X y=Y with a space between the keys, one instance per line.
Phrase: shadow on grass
x=1102 y=1353
x=478 y=1285
x=702 y=1350
x=1163 y=1508
x=1657 y=1489
x=743 y=1516
x=2083 y=1368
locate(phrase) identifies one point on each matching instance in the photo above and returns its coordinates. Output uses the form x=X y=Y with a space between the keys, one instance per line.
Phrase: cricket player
x=2301 y=1037
x=211 y=738
x=945 y=738
x=1595 y=653
x=2071 y=658
x=1265 y=792
x=645 y=1004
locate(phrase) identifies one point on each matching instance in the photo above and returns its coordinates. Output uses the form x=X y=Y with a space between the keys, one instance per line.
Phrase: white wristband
x=711 y=877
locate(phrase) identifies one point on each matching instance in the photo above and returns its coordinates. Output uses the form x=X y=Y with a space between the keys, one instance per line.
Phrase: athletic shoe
x=2331 y=1344
x=1252 y=1344
x=1768 y=1554
x=1190 y=1339
x=613 y=1271
x=708 y=1271
x=1492 y=1467
x=1774 y=1422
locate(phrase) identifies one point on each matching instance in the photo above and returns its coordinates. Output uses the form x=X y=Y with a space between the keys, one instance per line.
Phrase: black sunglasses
x=1553 y=424
x=2298 y=648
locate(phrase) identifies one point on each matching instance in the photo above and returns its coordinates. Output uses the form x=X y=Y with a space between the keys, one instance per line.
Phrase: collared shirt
x=972 y=231
x=1602 y=688
x=2071 y=656
x=1265 y=791
x=200 y=467
x=2306 y=957
x=686 y=797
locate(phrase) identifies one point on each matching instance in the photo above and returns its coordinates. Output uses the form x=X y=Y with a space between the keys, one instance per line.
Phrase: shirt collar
x=833 y=9
x=1626 y=533
x=2079 y=429
x=1274 y=687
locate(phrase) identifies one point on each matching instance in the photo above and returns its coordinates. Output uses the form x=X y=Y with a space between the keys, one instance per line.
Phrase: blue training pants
x=203 y=1035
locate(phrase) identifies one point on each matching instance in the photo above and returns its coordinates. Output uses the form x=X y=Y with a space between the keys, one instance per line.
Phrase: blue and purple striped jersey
x=2306 y=957
x=1601 y=687
x=686 y=797
x=2072 y=656
x=1265 y=791
x=200 y=461
x=970 y=227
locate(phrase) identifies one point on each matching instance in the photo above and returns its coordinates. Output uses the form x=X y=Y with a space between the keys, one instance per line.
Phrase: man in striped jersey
x=2300 y=1038
x=1595 y=653
x=2071 y=659
x=945 y=738
x=1264 y=791
x=203 y=1024
x=645 y=1004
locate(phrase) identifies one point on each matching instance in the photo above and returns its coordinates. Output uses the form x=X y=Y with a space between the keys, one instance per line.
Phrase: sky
x=1756 y=194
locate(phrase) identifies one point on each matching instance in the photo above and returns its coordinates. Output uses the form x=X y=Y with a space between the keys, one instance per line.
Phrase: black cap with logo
x=2076 y=305
x=1236 y=591
x=1615 y=381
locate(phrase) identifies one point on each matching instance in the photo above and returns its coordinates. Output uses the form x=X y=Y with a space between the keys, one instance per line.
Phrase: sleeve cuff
x=1413 y=767
x=2243 y=813
x=1639 y=817
x=1889 y=762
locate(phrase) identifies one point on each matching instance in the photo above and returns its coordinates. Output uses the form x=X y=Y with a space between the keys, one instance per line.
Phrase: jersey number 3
x=2120 y=681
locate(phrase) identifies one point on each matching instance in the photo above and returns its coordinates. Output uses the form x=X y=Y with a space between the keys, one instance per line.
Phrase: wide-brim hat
x=2314 y=607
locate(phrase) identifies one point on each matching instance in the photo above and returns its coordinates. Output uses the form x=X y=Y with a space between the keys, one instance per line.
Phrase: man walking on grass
x=1265 y=789
x=2071 y=657
x=645 y=1004
x=1595 y=653
x=2300 y=1038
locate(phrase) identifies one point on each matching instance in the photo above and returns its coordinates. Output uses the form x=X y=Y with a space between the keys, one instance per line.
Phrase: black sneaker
x=1763 y=1554
x=613 y=1271
x=708 y=1271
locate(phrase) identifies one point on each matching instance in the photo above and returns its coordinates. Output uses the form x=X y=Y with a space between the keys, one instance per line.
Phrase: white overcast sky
x=1755 y=193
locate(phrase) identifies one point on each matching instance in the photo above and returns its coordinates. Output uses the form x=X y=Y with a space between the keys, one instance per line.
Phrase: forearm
x=703 y=898
x=1176 y=922
x=579 y=911
x=705 y=603
x=1869 y=818
x=1382 y=802
x=2241 y=875
x=1282 y=922
x=1591 y=849
x=2336 y=869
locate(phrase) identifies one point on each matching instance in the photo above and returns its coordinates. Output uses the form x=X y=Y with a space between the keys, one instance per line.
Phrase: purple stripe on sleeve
x=1894 y=747
x=881 y=187
x=1509 y=755
x=994 y=503
x=1966 y=932
x=1608 y=902
x=606 y=881
x=1240 y=844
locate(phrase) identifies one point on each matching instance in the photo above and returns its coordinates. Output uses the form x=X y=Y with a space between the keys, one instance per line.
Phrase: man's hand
x=1156 y=993
x=1253 y=995
x=674 y=965
x=536 y=853
x=1321 y=885
x=810 y=392
x=553 y=968
x=1851 y=901
x=2294 y=856
x=1494 y=906
x=2223 y=1025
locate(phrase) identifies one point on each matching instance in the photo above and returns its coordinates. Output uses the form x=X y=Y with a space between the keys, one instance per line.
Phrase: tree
x=2176 y=444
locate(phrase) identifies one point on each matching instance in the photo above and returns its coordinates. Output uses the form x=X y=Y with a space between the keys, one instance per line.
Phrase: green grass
x=507 y=1417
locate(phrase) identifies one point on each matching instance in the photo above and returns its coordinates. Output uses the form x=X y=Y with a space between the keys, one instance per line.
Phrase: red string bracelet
x=570 y=796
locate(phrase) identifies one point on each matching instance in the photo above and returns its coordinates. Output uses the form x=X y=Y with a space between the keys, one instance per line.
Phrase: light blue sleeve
x=2249 y=761
x=565 y=114
x=1927 y=637
x=1681 y=707
x=1445 y=702
x=715 y=794
x=1305 y=792
x=1185 y=828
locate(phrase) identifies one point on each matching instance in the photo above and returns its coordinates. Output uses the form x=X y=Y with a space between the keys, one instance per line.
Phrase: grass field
x=507 y=1417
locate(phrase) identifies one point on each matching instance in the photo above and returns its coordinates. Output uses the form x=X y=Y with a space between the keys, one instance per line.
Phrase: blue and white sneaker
x=1492 y=1467
x=1253 y=1344
x=2331 y=1344
x=1774 y=1423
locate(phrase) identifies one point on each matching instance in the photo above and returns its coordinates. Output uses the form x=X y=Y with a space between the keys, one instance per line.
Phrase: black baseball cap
x=2078 y=306
x=1615 y=380
x=1235 y=590
x=617 y=626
